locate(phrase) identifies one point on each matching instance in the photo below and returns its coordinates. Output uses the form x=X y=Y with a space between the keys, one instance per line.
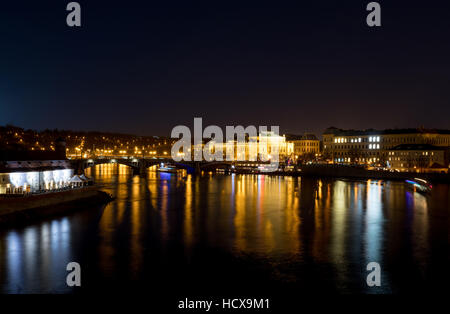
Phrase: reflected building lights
x=281 y=221
x=188 y=227
x=373 y=221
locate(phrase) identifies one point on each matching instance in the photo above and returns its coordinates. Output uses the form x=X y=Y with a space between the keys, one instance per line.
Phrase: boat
x=167 y=168
x=419 y=185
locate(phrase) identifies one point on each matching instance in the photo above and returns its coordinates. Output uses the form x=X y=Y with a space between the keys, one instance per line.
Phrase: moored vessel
x=419 y=185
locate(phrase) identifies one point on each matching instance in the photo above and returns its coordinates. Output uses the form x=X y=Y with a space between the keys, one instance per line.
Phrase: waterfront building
x=23 y=171
x=259 y=148
x=372 y=147
x=418 y=158
x=305 y=145
x=269 y=143
x=18 y=177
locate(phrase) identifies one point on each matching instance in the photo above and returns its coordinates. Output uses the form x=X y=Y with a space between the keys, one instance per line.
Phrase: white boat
x=167 y=168
x=419 y=185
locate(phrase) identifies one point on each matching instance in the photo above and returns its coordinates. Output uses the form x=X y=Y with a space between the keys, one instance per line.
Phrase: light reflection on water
x=29 y=257
x=291 y=228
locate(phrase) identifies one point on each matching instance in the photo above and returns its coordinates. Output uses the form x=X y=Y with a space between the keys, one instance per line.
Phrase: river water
x=235 y=234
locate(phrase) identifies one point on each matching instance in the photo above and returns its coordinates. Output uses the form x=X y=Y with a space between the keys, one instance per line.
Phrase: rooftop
x=309 y=137
x=417 y=147
x=33 y=165
x=305 y=137
x=342 y=132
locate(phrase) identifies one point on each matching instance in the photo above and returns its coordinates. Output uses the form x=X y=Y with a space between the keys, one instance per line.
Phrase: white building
x=18 y=177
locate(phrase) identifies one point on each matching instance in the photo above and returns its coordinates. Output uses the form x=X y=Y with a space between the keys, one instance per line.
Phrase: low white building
x=18 y=177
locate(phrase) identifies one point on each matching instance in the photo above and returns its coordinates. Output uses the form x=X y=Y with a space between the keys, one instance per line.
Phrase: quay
x=140 y=166
x=38 y=184
x=32 y=206
x=348 y=171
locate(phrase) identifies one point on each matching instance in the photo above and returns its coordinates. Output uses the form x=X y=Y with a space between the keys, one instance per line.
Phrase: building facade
x=27 y=171
x=19 y=177
x=418 y=158
x=372 y=147
x=263 y=147
x=307 y=144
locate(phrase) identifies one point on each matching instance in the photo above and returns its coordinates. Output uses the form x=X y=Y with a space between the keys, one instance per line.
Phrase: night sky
x=145 y=66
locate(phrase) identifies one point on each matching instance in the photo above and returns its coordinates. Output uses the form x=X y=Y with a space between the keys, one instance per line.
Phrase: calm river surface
x=223 y=234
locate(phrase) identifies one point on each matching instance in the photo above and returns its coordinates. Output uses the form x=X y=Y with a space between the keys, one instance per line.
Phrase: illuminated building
x=418 y=158
x=372 y=147
x=261 y=148
x=24 y=171
x=17 y=177
x=307 y=144
x=270 y=143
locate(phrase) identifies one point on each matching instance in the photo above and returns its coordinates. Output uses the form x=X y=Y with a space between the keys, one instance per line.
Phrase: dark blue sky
x=145 y=66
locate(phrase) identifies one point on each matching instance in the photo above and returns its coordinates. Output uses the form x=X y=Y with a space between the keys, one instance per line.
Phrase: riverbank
x=343 y=171
x=351 y=172
x=29 y=207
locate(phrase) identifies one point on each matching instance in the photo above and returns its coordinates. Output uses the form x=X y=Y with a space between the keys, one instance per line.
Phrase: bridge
x=140 y=165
